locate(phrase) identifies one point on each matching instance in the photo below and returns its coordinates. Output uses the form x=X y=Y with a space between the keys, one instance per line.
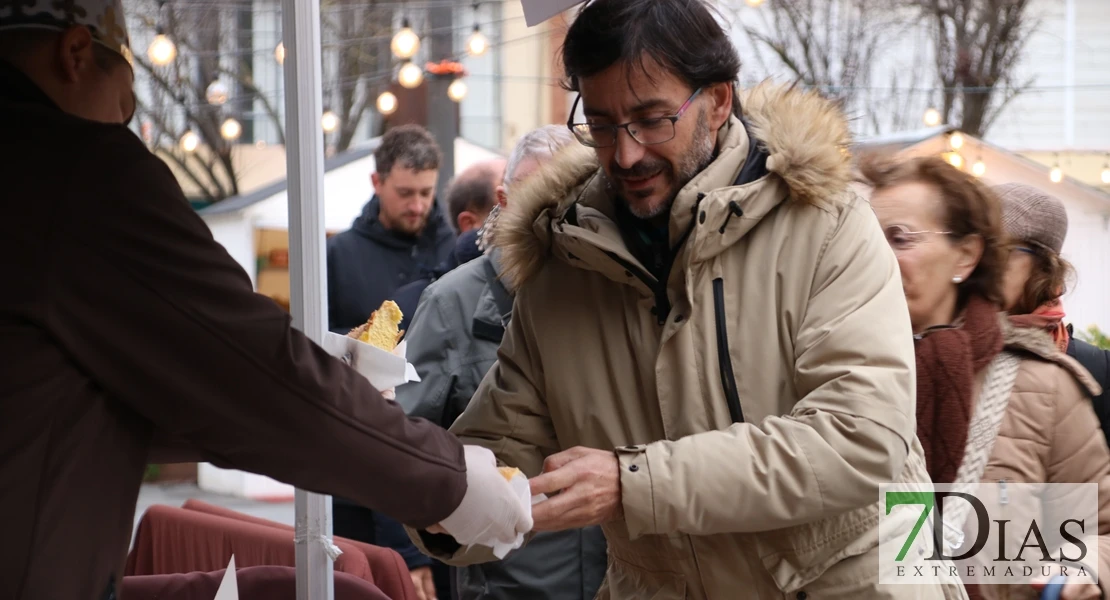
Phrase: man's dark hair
x=680 y=35
x=476 y=192
x=410 y=146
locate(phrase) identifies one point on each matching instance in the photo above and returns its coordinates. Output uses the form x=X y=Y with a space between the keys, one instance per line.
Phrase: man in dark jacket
x=402 y=234
x=128 y=335
x=470 y=198
x=453 y=342
x=1097 y=362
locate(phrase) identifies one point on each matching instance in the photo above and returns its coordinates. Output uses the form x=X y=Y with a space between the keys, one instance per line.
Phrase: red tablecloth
x=389 y=569
x=255 y=583
x=174 y=540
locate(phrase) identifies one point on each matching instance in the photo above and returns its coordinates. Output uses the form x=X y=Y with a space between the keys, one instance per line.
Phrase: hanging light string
x=346 y=42
x=344 y=84
x=957 y=145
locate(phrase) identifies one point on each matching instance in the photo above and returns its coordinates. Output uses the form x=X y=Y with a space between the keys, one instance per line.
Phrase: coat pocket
x=798 y=556
x=625 y=581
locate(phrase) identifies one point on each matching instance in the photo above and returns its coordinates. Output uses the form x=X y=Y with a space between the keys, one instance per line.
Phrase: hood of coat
x=369 y=225
x=805 y=136
x=1040 y=344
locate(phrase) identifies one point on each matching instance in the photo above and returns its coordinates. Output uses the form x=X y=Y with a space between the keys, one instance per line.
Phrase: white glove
x=490 y=511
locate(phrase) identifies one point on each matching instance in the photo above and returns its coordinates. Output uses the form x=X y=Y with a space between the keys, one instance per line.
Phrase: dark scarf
x=947 y=361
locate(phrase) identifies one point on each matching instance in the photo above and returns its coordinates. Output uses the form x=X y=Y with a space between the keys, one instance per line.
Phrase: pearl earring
x=957 y=279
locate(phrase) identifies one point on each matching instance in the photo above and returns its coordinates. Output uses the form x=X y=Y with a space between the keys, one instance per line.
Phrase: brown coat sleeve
x=167 y=322
x=1078 y=454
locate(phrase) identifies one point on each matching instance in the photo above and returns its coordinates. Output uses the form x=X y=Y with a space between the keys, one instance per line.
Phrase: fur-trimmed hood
x=1039 y=343
x=804 y=135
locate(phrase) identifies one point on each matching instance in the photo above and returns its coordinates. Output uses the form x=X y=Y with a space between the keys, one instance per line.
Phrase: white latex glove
x=490 y=510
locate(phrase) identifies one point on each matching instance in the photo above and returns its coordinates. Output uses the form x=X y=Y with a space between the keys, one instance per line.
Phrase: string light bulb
x=956 y=140
x=956 y=160
x=755 y=3
x=162 y=50
x=217 y=93
x=405 y=42
x=231 y=129
x=410 y=75
x=1106 y=174
x=190 y=141
x=1056 y=175
x=477 y=44
x=387 y=103
x=457 y=90
x=279 y=53
x=931 y=117
x=330 y=121
x=979 y=168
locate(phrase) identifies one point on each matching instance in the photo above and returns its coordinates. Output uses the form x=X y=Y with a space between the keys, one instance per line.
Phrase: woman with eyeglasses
x=998 y=406
x=1036 y=277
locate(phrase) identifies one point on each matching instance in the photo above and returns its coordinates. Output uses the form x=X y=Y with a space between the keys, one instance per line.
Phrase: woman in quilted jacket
x=1036 y=274
x=999 y=407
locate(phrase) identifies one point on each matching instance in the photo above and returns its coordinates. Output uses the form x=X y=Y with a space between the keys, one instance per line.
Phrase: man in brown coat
x=123 y=323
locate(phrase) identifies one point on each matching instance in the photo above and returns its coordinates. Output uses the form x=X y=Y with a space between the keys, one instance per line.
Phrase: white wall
x=1036 y=120
x=236 y=233
x=1088 y=249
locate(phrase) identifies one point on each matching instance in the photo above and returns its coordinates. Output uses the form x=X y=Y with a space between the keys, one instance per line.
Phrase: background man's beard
x=696 y=159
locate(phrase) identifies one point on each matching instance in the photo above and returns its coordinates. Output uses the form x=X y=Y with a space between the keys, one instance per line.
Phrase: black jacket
x=408 y=296
x=1097 y=361
x=367 y=263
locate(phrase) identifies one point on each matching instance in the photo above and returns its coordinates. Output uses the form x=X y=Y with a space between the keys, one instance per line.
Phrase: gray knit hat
x=1030 y=215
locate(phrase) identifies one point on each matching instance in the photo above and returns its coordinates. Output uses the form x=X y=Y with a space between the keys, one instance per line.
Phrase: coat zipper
x=728 y=378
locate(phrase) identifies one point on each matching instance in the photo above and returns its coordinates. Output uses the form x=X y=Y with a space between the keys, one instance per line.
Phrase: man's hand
x=423 y=582
x=590 y=485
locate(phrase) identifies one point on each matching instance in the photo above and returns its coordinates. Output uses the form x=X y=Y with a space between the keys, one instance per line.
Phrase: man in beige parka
x=710 y=353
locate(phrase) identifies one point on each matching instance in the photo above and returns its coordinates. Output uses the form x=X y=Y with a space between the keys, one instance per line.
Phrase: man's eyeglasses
x=656 y=130
x=901 y=238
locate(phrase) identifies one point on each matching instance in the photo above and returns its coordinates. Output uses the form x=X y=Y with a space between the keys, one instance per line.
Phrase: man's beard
x=693 y=161
x=402 y=226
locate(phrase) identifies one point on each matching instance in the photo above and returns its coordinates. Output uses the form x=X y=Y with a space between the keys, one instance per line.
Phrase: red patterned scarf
x=1049 y=317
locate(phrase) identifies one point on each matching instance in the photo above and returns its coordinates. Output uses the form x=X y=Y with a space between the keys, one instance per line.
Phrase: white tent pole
x=304 y=156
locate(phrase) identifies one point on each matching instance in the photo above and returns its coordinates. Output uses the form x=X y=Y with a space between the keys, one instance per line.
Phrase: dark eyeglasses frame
x=625 y=126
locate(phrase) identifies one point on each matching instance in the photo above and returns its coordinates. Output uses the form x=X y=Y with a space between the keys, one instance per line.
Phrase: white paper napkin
x=538 y=11
x=229 y=586
x=519 y=483
x=385 y=370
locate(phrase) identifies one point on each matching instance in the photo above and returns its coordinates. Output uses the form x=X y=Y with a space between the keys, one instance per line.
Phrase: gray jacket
x=452 y=342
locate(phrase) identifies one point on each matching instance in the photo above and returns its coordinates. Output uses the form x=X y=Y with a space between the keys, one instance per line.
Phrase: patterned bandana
x=104 y=18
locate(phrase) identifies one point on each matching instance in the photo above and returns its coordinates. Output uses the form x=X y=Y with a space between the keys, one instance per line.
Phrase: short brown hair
x=410 y=146
x=970 y=208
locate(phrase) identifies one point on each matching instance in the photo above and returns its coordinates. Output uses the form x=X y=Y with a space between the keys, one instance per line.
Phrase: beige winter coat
x=797 y=301
x=1049 y=434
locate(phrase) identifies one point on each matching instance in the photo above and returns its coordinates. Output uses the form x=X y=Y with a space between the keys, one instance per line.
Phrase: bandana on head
x=104 y=18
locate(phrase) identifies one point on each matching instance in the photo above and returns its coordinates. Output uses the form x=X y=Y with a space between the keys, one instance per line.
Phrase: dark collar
x=16 y=87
